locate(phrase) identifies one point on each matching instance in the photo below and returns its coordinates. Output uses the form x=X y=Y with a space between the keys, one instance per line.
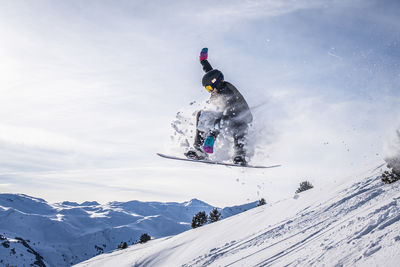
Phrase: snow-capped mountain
x=36 y=232
x=355 y=223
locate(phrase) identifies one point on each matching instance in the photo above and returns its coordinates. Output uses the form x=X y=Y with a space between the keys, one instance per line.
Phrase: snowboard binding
x=196 y=154
x=240 y=160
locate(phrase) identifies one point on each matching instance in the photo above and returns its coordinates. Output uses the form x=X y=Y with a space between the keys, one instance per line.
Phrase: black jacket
x=230 y=101
x=232 y=104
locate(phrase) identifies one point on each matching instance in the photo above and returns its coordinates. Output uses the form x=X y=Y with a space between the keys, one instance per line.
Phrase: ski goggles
x=209 y=88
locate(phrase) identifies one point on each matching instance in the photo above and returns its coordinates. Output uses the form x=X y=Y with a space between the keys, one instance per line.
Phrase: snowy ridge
x=351 y=225
x=21 y=251
x=34 y=231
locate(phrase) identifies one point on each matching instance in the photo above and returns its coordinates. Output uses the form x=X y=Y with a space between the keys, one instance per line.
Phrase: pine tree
x=261 y=202
x=123 y=245
x=306 y=185
x=199 y=219
x=144 y=238
x=214 y=216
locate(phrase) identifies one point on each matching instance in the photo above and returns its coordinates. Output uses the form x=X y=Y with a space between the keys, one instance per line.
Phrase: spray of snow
x=392 y=152
x=261 y=134
x=183 y=131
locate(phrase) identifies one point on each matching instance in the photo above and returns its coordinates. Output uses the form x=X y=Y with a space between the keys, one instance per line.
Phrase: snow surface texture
x=62 y=234
x=353 y=224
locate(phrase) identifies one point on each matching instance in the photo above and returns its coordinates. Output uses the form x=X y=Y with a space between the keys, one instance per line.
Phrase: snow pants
x=211 y=123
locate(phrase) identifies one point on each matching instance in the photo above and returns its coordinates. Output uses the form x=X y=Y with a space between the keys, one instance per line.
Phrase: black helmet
x=212 y=79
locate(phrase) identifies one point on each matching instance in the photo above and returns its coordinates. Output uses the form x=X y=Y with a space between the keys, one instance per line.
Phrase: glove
x=204 y=54
x=208 y=146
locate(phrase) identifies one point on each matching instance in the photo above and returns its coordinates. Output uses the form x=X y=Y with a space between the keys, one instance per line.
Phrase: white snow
x=351 y=224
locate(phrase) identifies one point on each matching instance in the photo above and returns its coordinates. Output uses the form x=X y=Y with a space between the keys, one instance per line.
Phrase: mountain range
x=62 y=234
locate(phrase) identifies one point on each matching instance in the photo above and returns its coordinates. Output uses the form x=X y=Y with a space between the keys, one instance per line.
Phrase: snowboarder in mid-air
x=231 y=115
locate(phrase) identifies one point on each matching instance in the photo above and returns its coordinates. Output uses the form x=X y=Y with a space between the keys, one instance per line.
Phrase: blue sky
x=89 y=90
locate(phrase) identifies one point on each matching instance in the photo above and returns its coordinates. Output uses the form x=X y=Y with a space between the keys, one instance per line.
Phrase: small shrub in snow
x=391 y=176
x=123 y=245
x=304 y=186
x=214 y=216
x=6 y=244
x=99 y=249
x=393 y=161
x=199 y=219
x=144 y=238
x=261 y=202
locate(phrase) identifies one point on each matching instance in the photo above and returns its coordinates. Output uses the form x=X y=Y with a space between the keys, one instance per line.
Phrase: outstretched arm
x=203 y=60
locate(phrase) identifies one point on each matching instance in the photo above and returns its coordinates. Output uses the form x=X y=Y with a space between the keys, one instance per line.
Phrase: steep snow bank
x=355 y=223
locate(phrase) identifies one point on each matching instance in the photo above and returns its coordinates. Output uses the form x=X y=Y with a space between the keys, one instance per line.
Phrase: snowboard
x=206 y=161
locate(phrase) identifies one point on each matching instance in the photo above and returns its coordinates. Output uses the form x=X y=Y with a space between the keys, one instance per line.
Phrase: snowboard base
x=206 y=161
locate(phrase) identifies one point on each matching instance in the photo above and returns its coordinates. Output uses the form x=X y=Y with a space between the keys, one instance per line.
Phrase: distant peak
x=195 y=202
x=90 y=203
x=69 y=203
x=21 y=197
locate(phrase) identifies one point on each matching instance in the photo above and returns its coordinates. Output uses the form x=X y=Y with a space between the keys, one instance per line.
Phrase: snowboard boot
x=196 y=154
x=240 y=152
x=240 y=160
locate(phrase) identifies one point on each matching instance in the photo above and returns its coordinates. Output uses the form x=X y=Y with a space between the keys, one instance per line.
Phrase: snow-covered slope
x=355 y=223
x=63 y=234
